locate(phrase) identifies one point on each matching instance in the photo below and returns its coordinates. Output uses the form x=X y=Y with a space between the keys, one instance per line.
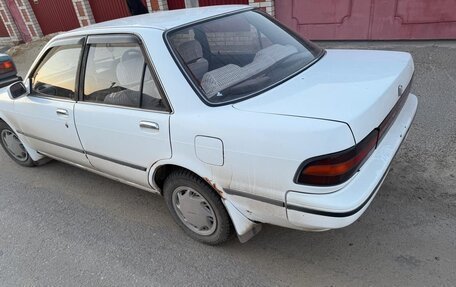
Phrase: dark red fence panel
x=176 y=4
x=54 y=16
x=104 y=10
x=3 y=30
x=324 y=20
x=414 y=19
x=221 y=2
x=369 y=20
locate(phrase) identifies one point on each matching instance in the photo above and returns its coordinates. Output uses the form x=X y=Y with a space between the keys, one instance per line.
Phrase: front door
x=122 y=117
x=46 y=115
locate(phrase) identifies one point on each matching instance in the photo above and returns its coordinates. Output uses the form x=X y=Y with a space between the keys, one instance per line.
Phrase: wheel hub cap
x=194 y=211
x=14 y=145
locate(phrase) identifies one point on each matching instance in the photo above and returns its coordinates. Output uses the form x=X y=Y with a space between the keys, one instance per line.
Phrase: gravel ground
x=64 y=226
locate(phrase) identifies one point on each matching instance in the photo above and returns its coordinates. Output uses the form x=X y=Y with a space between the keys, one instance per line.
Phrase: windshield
x=240 y=55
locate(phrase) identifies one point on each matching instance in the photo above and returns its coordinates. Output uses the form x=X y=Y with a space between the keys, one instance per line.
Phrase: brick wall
x=159 y=5
x=7 y=19
x=29 y=18
x=265 y=5
x=156 y=5
x=84 y=12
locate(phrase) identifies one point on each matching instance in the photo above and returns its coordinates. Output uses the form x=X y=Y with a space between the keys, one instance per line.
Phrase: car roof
x=165 y=20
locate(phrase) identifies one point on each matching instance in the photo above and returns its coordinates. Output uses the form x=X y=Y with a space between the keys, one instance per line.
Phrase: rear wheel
x=13 y=146
x=196 y=208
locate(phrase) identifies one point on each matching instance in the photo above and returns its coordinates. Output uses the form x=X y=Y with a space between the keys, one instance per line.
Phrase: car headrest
x=190 y=51
x=130 y=67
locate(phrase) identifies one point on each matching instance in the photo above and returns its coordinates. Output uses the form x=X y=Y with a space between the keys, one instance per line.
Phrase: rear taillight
x=336 y=168
x=7 y=66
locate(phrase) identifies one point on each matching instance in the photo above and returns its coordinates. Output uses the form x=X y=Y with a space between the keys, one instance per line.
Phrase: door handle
x=62 y=112
x=149 y=125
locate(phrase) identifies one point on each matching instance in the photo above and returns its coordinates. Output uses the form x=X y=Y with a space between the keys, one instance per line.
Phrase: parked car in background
x=229 y=115
x=8 y=72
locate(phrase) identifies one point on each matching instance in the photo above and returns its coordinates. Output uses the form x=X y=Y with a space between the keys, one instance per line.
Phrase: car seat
x=192 y=54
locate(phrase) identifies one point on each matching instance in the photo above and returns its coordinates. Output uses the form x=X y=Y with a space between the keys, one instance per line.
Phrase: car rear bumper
x=343 y=207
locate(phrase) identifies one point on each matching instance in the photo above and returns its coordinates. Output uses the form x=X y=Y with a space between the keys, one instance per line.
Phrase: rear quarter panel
x=262 y=152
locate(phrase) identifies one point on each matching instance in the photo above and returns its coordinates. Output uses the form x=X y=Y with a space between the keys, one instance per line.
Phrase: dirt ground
x=25 y=54
x=64 y=226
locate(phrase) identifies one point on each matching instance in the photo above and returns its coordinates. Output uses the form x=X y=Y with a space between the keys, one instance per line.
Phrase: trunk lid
x=353 y=86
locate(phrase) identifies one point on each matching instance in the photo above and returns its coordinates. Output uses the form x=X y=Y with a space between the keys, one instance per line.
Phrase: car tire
x=197 y=208
x=15 y=150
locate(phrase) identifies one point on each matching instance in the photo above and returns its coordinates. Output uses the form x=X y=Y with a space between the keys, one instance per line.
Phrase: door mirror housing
x=16 y=90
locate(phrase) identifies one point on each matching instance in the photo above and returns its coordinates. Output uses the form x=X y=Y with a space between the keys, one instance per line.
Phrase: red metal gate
x=374 y=19
x=414 y=19
x=221 y=2
x=3 y=30
x=54 y=16
x=104 y=10
x=176 y=4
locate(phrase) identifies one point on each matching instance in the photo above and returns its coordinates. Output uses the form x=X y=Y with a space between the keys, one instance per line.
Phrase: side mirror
x=17 y=89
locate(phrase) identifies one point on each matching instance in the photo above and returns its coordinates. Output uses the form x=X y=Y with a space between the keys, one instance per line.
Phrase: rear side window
x=117 y=74
x=56 y=75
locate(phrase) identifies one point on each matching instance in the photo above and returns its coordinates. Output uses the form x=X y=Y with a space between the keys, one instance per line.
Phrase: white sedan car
x=233 y=118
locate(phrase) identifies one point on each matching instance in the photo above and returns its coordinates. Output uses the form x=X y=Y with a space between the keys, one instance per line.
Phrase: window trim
x=112 y=39
x=141 y=85
x=187 y=74
x=80 y=40
x=121 y=38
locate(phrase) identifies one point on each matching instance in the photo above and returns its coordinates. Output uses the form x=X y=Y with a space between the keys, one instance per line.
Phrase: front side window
x=117 y=74
x=56 y=75
x=236 y=56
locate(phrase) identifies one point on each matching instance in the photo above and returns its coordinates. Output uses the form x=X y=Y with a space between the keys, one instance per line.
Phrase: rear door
x=46 y=115
x=122 y=116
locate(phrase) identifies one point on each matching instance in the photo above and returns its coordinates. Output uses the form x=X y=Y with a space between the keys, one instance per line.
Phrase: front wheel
x=13 y=146
x=196 y=208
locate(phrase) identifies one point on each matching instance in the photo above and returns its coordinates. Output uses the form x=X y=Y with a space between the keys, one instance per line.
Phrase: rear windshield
x=238 y=56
